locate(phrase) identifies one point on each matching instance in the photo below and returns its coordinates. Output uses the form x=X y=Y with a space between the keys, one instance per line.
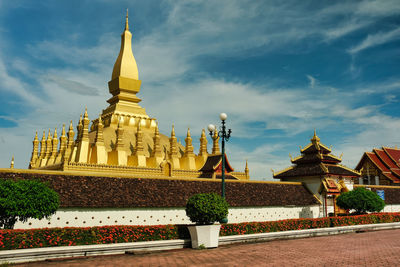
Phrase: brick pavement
x=379 y=248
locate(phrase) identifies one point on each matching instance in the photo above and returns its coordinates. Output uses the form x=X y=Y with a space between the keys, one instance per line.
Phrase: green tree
x=361 y=200
x=206 y=208
x=24 y=199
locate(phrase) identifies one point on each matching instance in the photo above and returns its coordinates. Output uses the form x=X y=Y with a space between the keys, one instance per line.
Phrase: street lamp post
x=225 y=137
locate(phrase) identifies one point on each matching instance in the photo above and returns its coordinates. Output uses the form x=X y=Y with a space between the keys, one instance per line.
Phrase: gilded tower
x=123 y=138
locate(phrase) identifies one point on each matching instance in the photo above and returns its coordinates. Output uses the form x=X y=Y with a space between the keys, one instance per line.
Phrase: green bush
x=206 y=208
x=361 y=200
x=24 y=199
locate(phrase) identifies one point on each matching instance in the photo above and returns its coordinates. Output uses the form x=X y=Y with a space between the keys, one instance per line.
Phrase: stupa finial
x=125 y=65
x=12 y=162
x=126 y=21
x=173 y=131
x=315 y=138
x=63 y=130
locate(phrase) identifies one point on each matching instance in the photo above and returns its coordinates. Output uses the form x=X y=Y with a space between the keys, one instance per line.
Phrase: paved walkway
x=380 y=248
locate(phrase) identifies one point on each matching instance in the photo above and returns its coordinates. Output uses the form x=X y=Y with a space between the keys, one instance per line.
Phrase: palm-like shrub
x=361 y=200
x=206 y=208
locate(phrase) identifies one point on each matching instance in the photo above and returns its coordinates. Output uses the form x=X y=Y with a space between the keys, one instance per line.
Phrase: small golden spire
x=188 y=141
x=12 y=162
x=173 y=130
x=55 y=133
x=63 y=130
x=99 y=134
x=100 y=120
x=246 y=168
x=71 y=128
x=203 y=144
x=49 y=137
x=139 y=149
x=156 y=140
x=173 y=152
x=215 y=148
x=315 y=138
x=119 y=145
x=126 y=21
x=86 y=114
x=36 y=137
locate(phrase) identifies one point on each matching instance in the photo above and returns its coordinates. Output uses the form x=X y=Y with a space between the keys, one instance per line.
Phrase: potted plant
x=204 y=210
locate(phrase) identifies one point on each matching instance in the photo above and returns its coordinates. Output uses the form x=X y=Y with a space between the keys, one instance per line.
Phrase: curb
x=41 y=254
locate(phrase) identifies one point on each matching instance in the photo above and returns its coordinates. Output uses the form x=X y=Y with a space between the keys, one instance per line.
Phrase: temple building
x=124 y=138
x=380 y=167
x=321 y=172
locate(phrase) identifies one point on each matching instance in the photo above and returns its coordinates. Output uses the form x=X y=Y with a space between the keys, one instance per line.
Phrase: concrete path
x=378 y=248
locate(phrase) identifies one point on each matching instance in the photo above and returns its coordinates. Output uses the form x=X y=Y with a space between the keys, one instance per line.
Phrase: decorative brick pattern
x=106 y=192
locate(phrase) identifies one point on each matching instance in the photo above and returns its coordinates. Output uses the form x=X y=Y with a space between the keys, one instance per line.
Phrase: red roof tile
x=394 y=154
x=385 y=158
x=378 y=163
x=384 y=163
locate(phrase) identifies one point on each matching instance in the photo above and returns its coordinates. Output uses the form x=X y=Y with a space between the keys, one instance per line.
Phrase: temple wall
x=87 y=200
x=88 y=191
x=162 y=216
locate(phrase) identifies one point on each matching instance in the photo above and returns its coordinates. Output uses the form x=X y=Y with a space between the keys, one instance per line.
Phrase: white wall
x=101 y=217
x=392 y=208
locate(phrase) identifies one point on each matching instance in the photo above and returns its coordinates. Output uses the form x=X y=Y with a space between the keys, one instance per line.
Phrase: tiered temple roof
x=123 y=138
x=316 y=160
x=386 y=160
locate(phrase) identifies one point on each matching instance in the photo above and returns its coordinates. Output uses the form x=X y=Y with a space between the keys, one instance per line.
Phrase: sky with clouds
x=279 y=69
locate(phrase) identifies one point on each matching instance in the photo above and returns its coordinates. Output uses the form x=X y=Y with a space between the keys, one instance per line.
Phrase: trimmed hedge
x=273 y=226
x=71 y=236
x=365 y=219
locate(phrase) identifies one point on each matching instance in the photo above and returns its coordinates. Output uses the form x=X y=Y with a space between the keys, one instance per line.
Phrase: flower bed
x=71 y=236
x=365 y=219
x=273 y=226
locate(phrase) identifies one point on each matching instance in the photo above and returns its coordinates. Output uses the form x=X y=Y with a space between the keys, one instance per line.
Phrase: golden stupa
x=124 y=139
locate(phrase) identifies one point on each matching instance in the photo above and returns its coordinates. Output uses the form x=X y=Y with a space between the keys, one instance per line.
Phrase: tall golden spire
x=125 y=83
x=125 y=65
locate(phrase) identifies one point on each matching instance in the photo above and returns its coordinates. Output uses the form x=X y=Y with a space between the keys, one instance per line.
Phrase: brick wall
x=106 y=192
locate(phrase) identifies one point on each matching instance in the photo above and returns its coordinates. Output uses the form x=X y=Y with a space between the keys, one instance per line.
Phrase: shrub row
x=71 y=236
x=273 y=226
x=365 y=219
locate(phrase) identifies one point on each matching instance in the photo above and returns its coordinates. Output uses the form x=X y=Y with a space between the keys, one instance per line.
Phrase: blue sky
x=279 y=69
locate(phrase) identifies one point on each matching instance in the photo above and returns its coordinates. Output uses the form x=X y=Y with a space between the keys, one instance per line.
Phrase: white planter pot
x=206 y=235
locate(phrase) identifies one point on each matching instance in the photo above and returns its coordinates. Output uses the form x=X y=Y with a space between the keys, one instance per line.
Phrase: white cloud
x=15 y=86
x=168 y=53
x=375 y=40
x=312 y=80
